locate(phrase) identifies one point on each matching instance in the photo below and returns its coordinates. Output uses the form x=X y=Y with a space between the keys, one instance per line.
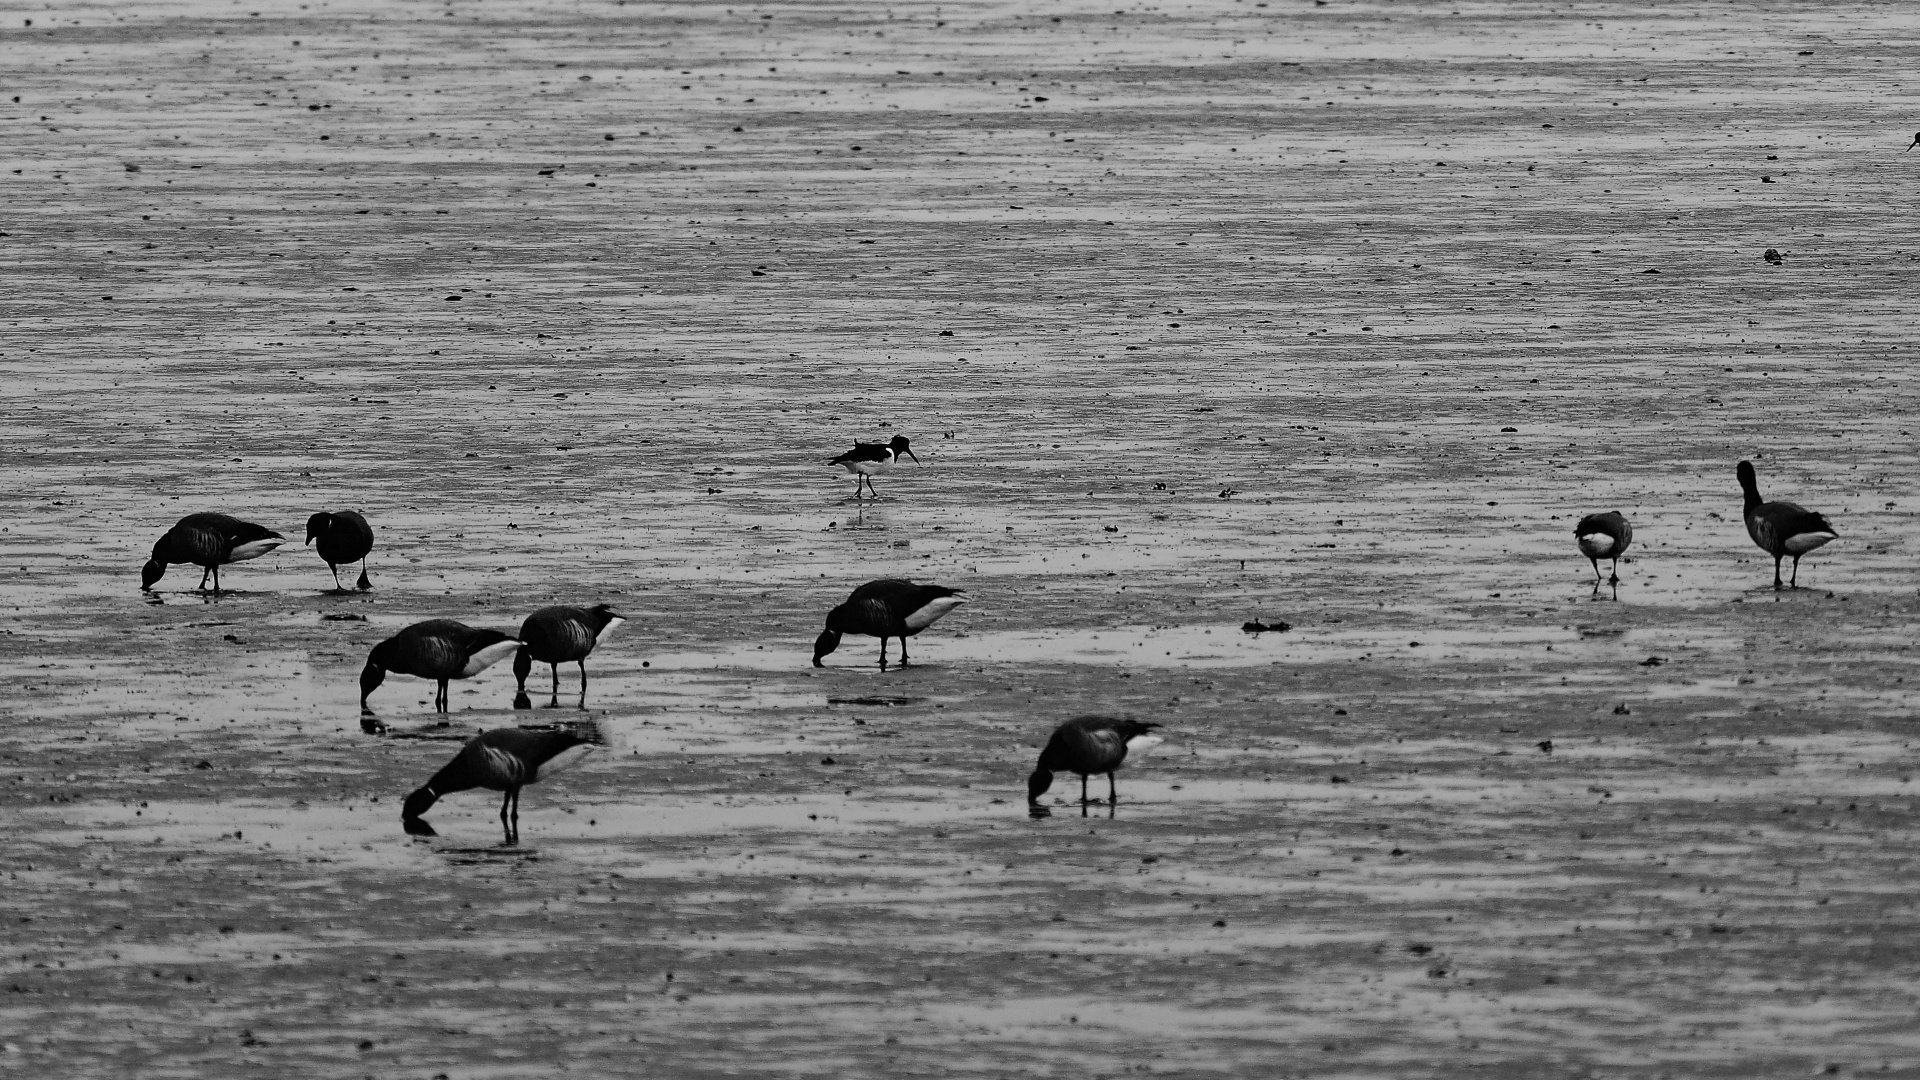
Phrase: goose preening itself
x=1781 y=528
x=344 y=537
x=504 y=759
x=865 y=459
x=438 y=649
x=1088 y=745
x=887 y=608
x=1604 y=536
x=560 y=635
x=210 y=541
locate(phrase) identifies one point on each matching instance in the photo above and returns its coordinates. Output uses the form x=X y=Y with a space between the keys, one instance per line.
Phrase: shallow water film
x=1332 y=316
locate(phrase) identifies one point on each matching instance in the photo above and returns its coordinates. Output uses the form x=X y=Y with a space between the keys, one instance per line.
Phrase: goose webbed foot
x=1036 y=811
x=417 y=827
x=522 y=701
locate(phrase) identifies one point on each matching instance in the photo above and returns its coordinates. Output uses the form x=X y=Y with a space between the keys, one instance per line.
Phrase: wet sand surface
x=1333 y=315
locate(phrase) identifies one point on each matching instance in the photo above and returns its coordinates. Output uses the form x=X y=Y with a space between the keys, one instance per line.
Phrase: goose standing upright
x=1604 y=536
x=866 y=459
x=1781 y=528
x=345 y=537
x=504 y=759
x=1089 y=745
x=210 y=541
x=889 y=607
x=558 y=635
x=438 y=649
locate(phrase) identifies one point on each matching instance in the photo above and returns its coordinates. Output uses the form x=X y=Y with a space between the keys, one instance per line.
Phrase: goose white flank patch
x=505 y=760
x=867 y=459
x=560 y=635
x=1781 y=528
x=438 y=649
x=1604 y=536
x=1089 y=745
x=343 y=537
x=209 y=541
x=887 y=608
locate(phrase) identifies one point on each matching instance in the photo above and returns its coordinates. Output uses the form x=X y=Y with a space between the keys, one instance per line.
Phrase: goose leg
x=1614 y=579
x=505 y=828
x=1795 y=582
x=1113 y=793
x=903 y=650
x=1596 y=571
x=216 y=579
x=336 y=577
x=1083 y=789
x=365 y=582
x=883 y=653
x=203 y=577
x=440 y=698
x=553 y=701
x=583 y=683
x=516 y=815
x=1776 y=571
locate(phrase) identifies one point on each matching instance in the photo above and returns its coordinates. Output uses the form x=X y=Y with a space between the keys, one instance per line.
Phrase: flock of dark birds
x=508 y=759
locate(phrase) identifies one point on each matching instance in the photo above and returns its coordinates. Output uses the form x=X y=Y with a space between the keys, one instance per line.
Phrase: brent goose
x=559 y=635
x=210 y=541
x=504 y=759
x=438 y=649
x=886 y=608
x=1089 y=745
x=1781 y=528
x=344 y=537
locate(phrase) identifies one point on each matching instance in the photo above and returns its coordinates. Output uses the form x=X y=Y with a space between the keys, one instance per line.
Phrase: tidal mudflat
x=1339 y=315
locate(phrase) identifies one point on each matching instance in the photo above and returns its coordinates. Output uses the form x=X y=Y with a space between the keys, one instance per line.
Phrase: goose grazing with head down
x=1604 y=536
x=1781 y=528
x=887 y=608
x=344 y=537
x=438 y=649
x=559 y=635
x=1088 y=745
x=865 y=459
x=210 y=541
x=506 y=760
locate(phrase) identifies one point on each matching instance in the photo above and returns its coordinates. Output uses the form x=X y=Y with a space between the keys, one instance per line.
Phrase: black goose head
x=899 y=446
x=371 y=677
x=602 y=614
x=418 y=803
x=1748 y=484
x=318 y=524
x=828 y=641
x=1037 y=785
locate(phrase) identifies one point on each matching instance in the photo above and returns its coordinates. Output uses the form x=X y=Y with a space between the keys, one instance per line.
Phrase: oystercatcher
x=1089 y=745
x=210 y=541
x=559 y=635
x=1781 y=528
x=344 y=537
x=1604 y=536
x=504 y=759
x=866 y=459
x=887 y=608
x=438 y=649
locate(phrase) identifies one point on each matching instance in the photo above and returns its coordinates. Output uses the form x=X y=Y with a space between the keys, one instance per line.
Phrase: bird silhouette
x=866 y=459
x=887 y=608
x=559 y=635
x=1088 y=745
x=210 y=541
x=505 y=760
x=438 y=649
x=1604 y=536
x=344 y=537
x=1914 y=143
x=1781 y=528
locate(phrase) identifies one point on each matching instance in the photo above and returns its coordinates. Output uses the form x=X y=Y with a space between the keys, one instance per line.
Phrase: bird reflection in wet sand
x=504 y=760
x=1088 y=745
